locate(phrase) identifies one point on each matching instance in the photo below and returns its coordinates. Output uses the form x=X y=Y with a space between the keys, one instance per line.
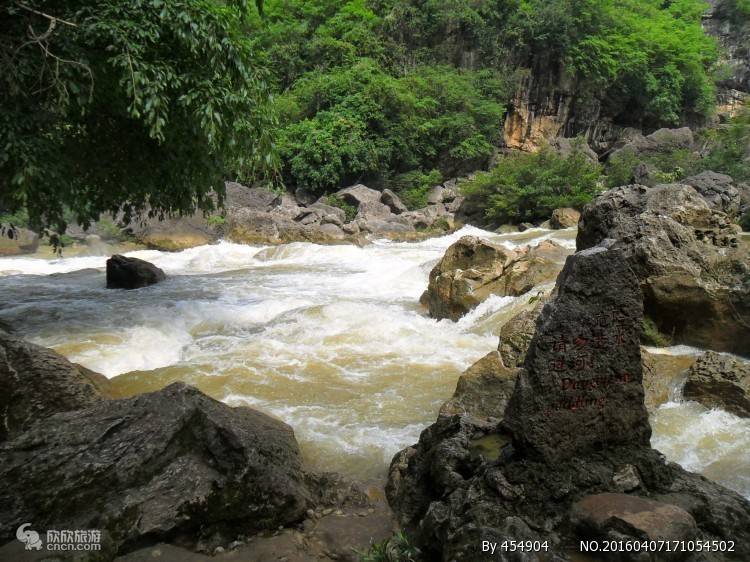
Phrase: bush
x=337 y=201
x=528 y=187
x=413 y=187
x=360 y=124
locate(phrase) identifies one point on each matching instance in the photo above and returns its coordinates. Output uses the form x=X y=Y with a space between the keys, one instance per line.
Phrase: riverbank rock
x=718 y=190
x=169 y=464
x=720 y=381
x=516 y=335
x=18 y=241
x=483 y=390
x=132 y=273
x=693 y=268
x=473 y=269
x=565 y=217
x=575 y=427
x=36 y=382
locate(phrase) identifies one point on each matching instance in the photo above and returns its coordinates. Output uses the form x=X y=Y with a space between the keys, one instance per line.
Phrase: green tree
x=527 y=187
x=127 y=107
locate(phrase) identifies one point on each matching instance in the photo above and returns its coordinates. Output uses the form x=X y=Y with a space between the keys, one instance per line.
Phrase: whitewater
x=330 y=339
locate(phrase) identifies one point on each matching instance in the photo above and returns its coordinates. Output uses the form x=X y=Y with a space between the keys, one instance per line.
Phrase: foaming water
x=331 y=339
x=712 y=442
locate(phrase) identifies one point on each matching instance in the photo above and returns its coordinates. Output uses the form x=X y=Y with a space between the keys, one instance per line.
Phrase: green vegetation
x=527 y=187
x=147 y=106
x=727 y=152
x=651 y=335
x=112 y=106
x=396 y=549
x=413 y=187
x=337 y=201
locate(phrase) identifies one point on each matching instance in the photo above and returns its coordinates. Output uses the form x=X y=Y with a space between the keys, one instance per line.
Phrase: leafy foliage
x=361 y=124
x=396 y=549
x=413 y=187
x=527 y=187
x=124 y=107
x=337 y=201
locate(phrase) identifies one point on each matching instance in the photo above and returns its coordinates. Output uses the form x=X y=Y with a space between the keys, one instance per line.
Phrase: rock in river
x=720 y=381
x=473 y=269
x=131 y=273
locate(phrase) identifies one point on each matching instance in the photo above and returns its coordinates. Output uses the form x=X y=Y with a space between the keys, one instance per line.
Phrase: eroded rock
x=473 y=269
x=692 y=267
x=173 y=463
x=564 y=217
x=720 y=381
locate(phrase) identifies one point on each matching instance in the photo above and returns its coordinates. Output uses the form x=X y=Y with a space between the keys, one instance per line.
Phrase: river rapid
x=331 y=339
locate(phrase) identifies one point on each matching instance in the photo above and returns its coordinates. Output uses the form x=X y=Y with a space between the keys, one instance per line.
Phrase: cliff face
x=550 y=102
x=731 y=28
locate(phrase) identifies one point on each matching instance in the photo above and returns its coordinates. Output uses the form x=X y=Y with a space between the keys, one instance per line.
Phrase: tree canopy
x=127 y=107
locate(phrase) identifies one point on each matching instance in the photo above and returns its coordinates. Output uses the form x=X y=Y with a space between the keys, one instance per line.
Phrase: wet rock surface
x=575 y=428
x=693 y=268
x=36 y=383
x=720 y=381
x=132 y=273
x=473 y=269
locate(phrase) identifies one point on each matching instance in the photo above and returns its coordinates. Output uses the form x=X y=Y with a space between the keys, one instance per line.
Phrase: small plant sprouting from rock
x=396 y=549
x=652 y=336
x=338 y=201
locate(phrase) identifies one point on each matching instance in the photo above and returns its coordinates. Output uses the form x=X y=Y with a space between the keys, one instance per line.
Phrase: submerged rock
x=169 y=464
x=473 y=269
x=36 y=383
x=131 y=273
x=720 y=381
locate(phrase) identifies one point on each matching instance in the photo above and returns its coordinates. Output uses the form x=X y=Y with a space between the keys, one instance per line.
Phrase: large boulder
x=473 y=269
x=720 y=381
x=36 y=382
x=693 y=268
x=173 y=464
x=174 y=234
x=131 y=273
x=359 y=194
x=575 y=428
x=17 y=241
x=718 y=190
x=393 y=201
x=564 y=217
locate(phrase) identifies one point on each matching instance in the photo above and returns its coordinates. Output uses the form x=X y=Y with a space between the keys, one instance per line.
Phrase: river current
x=331 y=339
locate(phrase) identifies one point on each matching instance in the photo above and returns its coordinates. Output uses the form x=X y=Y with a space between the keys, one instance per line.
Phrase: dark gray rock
x=173 y=464
x=720 y=381
x=718 y=190
x=582 y=382
x=131 y=273
x=256 y=198
x=36 y=382
x=575 y=428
